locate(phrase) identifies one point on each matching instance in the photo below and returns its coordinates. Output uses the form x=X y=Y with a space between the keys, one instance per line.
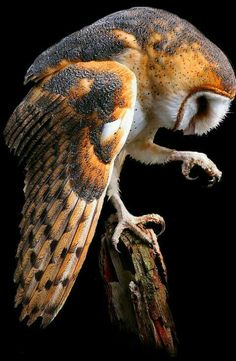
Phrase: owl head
x=193 y=80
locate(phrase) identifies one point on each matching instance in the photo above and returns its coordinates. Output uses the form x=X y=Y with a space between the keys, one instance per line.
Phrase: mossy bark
x=136 y=288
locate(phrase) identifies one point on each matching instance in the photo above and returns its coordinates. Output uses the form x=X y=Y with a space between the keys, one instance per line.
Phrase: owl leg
x=127 y=220
x=150 y=153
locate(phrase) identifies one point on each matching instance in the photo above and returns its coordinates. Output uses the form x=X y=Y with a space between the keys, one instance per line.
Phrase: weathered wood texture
x=136 y=288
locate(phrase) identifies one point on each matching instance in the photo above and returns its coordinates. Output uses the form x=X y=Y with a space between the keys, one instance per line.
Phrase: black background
x=198 y=245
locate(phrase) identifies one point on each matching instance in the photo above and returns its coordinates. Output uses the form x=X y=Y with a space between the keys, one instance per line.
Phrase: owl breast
x=138 y=124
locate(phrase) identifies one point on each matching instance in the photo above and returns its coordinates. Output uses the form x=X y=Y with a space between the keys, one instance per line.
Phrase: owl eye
x=202 y=106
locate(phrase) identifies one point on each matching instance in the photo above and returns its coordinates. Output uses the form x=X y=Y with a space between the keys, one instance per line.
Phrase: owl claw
x=212 y=181
x=137 y=226
x=188 y=177
x=190 y=159
x=115 y=245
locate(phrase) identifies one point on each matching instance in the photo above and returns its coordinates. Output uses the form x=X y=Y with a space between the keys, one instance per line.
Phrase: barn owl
x=101 y=94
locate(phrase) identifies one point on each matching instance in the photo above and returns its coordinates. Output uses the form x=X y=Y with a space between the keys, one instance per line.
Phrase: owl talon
x=212 y=181
x=188 y=177
x=137 y=226
x=115 y=245
x=190 y=159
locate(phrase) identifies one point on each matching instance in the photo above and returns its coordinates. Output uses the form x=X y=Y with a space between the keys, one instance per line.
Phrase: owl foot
x=190 y=159
x=137 y=226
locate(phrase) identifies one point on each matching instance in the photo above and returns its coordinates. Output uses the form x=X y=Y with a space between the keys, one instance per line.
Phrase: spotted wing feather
x=60 y=132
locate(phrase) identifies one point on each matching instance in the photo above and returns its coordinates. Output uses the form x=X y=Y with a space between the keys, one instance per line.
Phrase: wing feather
x=36 y=216
x=67 y=136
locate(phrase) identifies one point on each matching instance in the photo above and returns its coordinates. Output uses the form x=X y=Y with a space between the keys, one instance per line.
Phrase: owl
x=99 y=95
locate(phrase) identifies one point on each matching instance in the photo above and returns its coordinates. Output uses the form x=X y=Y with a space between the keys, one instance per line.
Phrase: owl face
x=194 y=113
x=201 y=111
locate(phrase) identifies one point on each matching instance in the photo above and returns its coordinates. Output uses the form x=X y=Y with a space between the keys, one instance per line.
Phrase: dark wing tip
x=29 y=76
x=26 y=80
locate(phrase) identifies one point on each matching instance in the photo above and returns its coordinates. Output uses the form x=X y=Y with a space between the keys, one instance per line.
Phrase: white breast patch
x=138 y=124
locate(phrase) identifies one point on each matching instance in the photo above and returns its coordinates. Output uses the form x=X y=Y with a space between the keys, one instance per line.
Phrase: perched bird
x=102 y=93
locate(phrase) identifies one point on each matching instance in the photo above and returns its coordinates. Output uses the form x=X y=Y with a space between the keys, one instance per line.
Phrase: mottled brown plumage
x=67 y=171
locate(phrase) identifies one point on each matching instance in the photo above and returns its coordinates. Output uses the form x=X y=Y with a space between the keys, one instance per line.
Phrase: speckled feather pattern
x=55 y=133
x=153 y=29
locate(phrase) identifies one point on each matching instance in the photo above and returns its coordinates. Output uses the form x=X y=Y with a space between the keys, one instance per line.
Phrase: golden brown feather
x=67 y=173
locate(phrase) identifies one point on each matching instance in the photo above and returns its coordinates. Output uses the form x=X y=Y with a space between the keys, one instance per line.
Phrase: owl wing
x=67 y=132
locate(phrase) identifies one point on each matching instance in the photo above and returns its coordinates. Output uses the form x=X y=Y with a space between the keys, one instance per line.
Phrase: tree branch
x=136 y=288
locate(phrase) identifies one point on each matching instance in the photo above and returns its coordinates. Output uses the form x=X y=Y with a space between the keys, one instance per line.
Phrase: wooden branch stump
x=135 y=281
